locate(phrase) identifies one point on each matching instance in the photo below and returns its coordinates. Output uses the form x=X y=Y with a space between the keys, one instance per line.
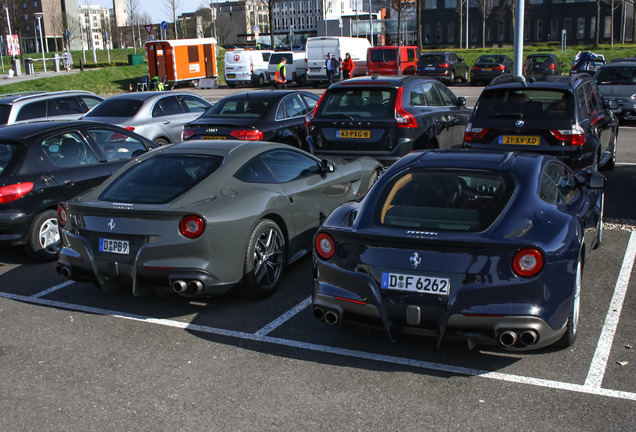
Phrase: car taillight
x=552 y=66
x=247 y=134
x=310 y=115
x=192 y=226
x=500 y=67
x=444 y=65
x=325 y=246
x=574 y=136
x=403 y=117
x=475 y=68
x=187 y=133
x=14 y=191
x=62 y=217
x=527 y=262
x=130 y=128
x=472 y=133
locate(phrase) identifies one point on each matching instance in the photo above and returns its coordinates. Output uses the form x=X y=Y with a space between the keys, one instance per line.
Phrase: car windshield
x=382 y=55
x=160 y=179
x=438 y=200
x=431 y=59
x=525 y=103
x=116 y=108
x=9 y=153
x=363 y=102
x=616 y=75
x=248 y=107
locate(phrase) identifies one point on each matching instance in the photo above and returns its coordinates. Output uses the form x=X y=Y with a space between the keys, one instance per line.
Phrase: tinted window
x=443 y=200
x=431 y=59
x=311 y=102
x=289 y=165
x=558 y=184
x=383 y=55
x=616 y=75
x=5 y=110
x=254 y=108
x=278 y=57
x=448 y=97
x=294 y=106
x=160 y=179
x=117 y=145
x=527 y=103
x=194 y=104
x=90 y=101
x=167 y=106
x=65 y=106
x=68 y=150
x=116 y=108
x=255 y=171
x=8 y=153
x=32 y=111
x=357 y=103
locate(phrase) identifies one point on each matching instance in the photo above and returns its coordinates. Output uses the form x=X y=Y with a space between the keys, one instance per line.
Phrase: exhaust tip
x=195 y=286
x=179 y=286
x=529 y=337
x=331 y=318
x=508 y=338
x=64 y=271
x=319 y=313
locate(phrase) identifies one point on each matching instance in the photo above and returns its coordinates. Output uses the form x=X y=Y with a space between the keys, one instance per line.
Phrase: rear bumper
x=14 y=227
x=386 y=158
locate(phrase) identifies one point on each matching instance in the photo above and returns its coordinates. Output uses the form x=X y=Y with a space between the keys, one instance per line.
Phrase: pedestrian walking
x=347 y=67
x=332 y=67
x=280 y=77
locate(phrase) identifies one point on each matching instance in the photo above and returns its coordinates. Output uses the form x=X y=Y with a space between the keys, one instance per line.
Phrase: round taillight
x=192 y=226
x=62 y=217
x=527 y=262
x=325 y=246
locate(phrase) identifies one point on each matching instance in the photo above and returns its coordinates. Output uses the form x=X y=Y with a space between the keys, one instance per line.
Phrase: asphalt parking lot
x=74 y=357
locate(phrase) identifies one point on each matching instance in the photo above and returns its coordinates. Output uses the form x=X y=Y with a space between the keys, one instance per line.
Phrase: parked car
x=159 y=116
x=386 y=118
x=561 y=116
x=541 y=64
x=246 y=67
x=587 y=62
x=618 y=81
x=295 y=66
x=392 y=60
x=461 y=244
x=443 y=65
x=44 y=163
x=38 y=105
x=489 y=66
x=270 y=115
x=199 y=217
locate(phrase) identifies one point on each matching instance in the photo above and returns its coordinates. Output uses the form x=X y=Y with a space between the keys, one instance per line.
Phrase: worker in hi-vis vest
x=280 y=78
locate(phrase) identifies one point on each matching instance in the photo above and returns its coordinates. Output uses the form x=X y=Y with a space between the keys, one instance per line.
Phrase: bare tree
x=133 y=7
x=402 y=7
x=485 y=8
x=269 y=6
x=171 y=7
x=56 y=23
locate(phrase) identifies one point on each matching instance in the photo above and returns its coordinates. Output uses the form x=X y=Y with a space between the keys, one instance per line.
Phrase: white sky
x=154 y=8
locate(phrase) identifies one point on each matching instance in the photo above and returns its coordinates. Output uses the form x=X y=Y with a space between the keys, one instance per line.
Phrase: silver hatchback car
x=158 y=116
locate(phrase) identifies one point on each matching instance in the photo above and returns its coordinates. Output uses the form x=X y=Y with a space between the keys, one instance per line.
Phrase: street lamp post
x=39 y=16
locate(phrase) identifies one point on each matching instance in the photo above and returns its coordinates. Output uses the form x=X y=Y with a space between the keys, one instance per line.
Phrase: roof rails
x=508 y=79
x=23 y=93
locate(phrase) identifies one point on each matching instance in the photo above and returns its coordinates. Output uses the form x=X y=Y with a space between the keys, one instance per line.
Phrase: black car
x=617 y=80
x=489 y=66
x=386 y=117
x=443 y=65
x=564 y=116
x=269 y=115
x=44 y=163
x=541 y=64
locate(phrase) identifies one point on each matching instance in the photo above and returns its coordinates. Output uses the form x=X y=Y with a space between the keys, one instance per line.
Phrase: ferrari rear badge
x=415 y=259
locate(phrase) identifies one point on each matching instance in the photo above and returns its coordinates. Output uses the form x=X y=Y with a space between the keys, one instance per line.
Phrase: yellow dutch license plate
x=486 y=69
x=231 y=75
x=213 y=137
x=519 y=140
x=353 y=134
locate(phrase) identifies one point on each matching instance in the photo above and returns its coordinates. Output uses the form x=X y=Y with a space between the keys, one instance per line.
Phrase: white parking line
x=283 y=318
x=604 y=346
x=52 y=289
x=587 y=389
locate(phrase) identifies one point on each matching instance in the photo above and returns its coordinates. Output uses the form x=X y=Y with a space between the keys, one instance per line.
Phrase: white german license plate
x=421 y=284
x=519 y=139
x=353 y=134
x=114 y=246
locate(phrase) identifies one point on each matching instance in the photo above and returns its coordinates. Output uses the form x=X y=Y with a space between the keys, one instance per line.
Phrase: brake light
x=527 y=262
x=187 y=133
x=471 y=133
x=444 y=65
x=325 y=246
x=474 y=68
x=247 y=134
x=62 y=217
x=573 y=137
x=403 y=118
x=310 y=115
x=500 y=67
x=14 y=191
x=130 y=128
x=552 y=66
x=192 y=226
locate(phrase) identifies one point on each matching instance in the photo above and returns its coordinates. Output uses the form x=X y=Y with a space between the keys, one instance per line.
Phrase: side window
x=448 y=97
x=255 y=171
x=64 y=106
x=280 y=112
x=293 y=106
x=89 y=101
x=194 y=104
x=582 y=102
x=596 y=99
x=167 y=106
x=31 y=111
x=417 y=96
x=116 y=145
x=311 y=103
x=558 y=184
x=410 y=54
x=430 y=93
x=288 y=165
x=68 y=150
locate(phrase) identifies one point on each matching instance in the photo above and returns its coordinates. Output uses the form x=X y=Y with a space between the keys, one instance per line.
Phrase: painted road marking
x=283 y=318
x=53 y=289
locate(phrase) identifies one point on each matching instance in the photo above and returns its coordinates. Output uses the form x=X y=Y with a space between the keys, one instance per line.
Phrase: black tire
x=314 y=84
x=260 y=81
x=302 y=81
x=264 y=260
x=162 y=141
x=44 y=237
x=231 y=85
x=572 y=325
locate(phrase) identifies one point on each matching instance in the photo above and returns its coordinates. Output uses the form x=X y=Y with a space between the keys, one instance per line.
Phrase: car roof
x=148 y=95
x=428 y=53
x=387 y=80
x=265 y=94
x=471 y=159
x=555 y=82
x=24 y=131
x=10 y=98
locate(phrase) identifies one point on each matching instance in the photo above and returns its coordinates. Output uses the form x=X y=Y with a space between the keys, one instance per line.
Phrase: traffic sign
x=164 y=25
x=256 y=29
x=149 y=28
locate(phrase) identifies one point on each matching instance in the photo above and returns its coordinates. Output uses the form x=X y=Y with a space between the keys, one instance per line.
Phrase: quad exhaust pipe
x=193 y=286
x=64 y=271
x=331 y=317
x=525 y=337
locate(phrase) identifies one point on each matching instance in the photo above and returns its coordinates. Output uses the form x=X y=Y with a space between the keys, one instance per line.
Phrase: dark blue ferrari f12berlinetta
x=483 y=246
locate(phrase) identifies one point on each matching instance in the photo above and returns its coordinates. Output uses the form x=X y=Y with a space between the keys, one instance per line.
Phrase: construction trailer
x=182 y=60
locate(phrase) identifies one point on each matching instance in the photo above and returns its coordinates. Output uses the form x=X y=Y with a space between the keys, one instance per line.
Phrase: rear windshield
x=116 y=108
x=252 y=108
x=433 y=200
x=160 y=179
x=616 y=75
x=383 y=55
x=353 y=103
x=431 y=59
x=489 y=59
x=9 y=154
x=525 y=103
x=538 y=60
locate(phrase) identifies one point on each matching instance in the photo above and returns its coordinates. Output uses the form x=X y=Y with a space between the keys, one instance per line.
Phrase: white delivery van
x=317 y=49
x=295 y=66
x=246 y=67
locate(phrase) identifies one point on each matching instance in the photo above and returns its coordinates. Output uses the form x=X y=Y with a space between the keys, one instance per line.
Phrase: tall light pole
x=39 y=16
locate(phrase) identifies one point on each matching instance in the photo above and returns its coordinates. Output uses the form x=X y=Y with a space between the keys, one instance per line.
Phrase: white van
x=246 y=67
x=295 y=66
x=318 y=47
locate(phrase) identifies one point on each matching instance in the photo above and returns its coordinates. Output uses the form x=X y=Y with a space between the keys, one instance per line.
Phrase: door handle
x=167 y=122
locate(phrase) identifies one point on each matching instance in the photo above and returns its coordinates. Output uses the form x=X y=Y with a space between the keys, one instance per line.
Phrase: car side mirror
x=327 y=166
x=612 y=104
x=595 y=180
x=461 y=101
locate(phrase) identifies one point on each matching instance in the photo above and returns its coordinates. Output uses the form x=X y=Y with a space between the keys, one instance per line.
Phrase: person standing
x=280 y=78
x=332 y=68
x=347 y=67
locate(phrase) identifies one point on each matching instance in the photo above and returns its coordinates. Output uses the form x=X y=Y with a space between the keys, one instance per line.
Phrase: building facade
x=95 y=27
